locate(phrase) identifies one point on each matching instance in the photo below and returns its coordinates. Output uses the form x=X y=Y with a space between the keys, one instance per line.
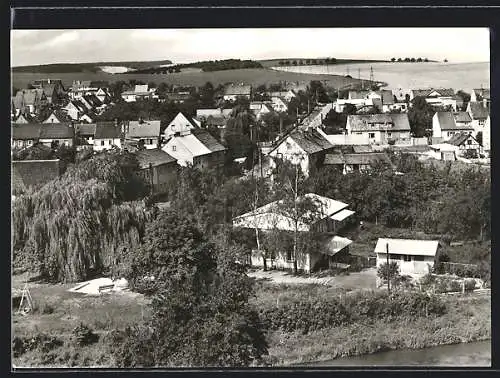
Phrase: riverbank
x=468 y=319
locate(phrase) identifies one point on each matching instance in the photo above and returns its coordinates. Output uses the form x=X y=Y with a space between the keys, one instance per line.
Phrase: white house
x=196 y=148
x=140 y=92
x=442 y=97
x=107 y=136
x=279 y=104
x=304 y=147
x=444 y=126
x=479 y=113
x=259 y=108
x=326 y=219
x=414 y=257
x=75 y=109
x=465 y=142
x=180 y=125
x=287 y=95
x=379 y=128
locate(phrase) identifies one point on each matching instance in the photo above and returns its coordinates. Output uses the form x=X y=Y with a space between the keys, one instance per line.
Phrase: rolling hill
x=93 y=67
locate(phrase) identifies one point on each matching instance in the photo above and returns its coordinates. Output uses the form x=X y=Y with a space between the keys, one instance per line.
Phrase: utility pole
x=388 y=272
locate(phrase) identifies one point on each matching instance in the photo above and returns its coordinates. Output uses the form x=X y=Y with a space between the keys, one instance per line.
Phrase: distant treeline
x=411 y=60
x=205 y=66
x=85 y=67
x=322 y=61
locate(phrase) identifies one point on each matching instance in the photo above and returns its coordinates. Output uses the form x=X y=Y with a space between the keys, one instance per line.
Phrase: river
x=410 y=75
x=476 y=354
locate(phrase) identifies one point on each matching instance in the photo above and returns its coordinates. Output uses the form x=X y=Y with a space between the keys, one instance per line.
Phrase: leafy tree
x=386 y=271
x=400 y=60
x=201 y=311
x=420 y=116
x=393 y=59
x=465 y=98
x=479 y=137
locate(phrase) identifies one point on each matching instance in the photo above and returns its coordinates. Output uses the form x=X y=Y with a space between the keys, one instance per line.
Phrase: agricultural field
x=194 y=77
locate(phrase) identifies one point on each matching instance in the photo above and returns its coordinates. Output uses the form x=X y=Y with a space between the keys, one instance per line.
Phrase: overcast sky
x=188 y=45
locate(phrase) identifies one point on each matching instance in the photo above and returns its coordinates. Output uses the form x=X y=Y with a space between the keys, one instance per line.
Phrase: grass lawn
x=253 y=76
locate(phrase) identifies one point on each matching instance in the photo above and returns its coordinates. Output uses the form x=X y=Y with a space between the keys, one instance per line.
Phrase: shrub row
x=317 y=314
x=42 y=342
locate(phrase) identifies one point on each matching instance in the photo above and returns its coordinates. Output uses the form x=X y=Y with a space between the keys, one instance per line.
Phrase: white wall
x=408 y=267
x=176 y=149
x=291 y=152
x=108 y=144
x=178 y=124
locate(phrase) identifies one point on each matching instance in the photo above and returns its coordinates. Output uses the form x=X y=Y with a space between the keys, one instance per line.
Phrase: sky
x=29 y=47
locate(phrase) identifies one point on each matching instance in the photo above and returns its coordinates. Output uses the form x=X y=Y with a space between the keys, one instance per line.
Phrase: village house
x=107 y=136
x=305 y=147
x=75 y=109
x=380 y=129
x=444 y=126
x=58 y=116
x=181 y=124
x=87 y=87
x=465 y=142
x=260 y=108
x=140 y=92
x=382 y=100
x=29 y=101
x=197 y=148
x=287 y=95
x=356 y=159
x=216 y=112
x=24 y=118
x=216 y=121
x=440 y=97
x=85 y=134
x=57 y=134
x=442 y=151
x=52 y=88
x=479 y=113
x=178 y=97
x=157 y=168
x=326 y=220
x=144 y=131
x=414 y=257
x=462 y=119
x=232 y=92
x=279 y=104
x=481 y=95
x=25 y=135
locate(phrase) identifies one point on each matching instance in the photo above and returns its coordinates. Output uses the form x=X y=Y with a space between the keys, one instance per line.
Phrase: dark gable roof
x=107 y=130
x=447 y=122
x=208 y=140
x=57 y=131
x=216 y=121
x=364 y=158
x=155 y=157
x=478 y=111
x=358 y=95
x=23 y=131
x=146 y=129
x=443 y=92
x=387 y=97
x=238 y=90
x=462 y=117
x=93 y=100
x=85 y=129
x=369 y=122
x=484 y=93
x=459 y=139
x=79 y=105
x=310 y=141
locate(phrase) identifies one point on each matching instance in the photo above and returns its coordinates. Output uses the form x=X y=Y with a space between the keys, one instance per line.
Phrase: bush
x=470 y=285
x=83 y=335
x=455 y=286
x=42 y=342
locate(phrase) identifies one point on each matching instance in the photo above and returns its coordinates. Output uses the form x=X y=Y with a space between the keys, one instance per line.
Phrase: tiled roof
x=143 y=130
x=459 y=139
x=478 y=111
x=107 y=130
x=447 y=122
x=208 y=140
x=483 y=93
x=155 y=157
x=238 y=90
x=86 y=129
x=23 y=131
x=310 y=141
x=462 y=117
x=358 y=95
x=443 y=92
x=387 y=97
x=93 y=100
x=357 y=158
x=216 y=121
x=368 y=122
x=407 y=246
x=57 y=131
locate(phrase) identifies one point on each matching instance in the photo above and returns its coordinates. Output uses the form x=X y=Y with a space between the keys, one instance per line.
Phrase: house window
x=151 y=141
x=174 y=148
x=389 y=134
x=406 y=258
x=371 y=135
x=469 y=142
x=102 y=143
x=110 y=142
x=289 y=256
x=451 y=133
x=418 y=258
